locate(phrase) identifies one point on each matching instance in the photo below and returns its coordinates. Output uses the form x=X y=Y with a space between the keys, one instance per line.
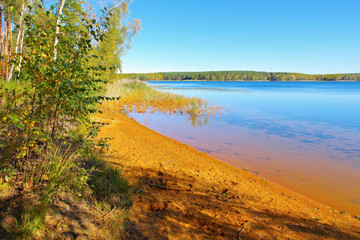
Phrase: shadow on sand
x=172 y=205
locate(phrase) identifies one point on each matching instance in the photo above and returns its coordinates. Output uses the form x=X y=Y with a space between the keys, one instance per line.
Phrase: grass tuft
x=32 y=222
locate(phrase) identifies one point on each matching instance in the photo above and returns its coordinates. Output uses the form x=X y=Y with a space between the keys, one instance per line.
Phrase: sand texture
x=182 y=193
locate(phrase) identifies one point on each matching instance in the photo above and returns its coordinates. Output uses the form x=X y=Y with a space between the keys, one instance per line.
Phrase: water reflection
x=304 y=136
x=193 y=120
x=168 y=87
x=198 y=121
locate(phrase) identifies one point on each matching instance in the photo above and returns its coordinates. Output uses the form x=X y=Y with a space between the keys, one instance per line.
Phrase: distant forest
x=241 y=75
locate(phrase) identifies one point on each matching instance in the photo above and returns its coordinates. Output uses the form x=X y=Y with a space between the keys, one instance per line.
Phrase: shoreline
x=184 y=192
x=327 y=81
x=309 y=179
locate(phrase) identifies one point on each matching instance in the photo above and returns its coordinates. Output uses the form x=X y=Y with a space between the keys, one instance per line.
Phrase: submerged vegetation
x=53 y=183
x=242 y=76
x=137 y=96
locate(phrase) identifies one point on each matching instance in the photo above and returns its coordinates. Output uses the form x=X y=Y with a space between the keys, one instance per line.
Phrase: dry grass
x=63 y=194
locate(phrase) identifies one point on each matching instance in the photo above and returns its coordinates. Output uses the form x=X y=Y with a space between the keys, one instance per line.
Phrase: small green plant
x=317 y=219
x=247 y=169
x=343 y=212
x=6 y=173
x=32 y=222
x=223 y=195
x=110 y=186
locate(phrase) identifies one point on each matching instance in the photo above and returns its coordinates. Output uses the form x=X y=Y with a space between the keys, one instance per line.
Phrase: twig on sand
x=167 y=188
x=242 y=230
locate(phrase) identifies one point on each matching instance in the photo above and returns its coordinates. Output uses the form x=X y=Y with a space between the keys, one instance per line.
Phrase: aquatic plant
x=137 y=96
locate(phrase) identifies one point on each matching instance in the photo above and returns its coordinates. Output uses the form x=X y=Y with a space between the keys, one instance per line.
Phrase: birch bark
x=58 y=21
x=18 y=38
x=1 y=31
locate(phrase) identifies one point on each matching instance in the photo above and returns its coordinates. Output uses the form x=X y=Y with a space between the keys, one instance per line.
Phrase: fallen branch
x=242 y=230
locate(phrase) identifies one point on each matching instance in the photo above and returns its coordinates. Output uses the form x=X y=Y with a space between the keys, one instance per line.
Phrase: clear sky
x=307 y=36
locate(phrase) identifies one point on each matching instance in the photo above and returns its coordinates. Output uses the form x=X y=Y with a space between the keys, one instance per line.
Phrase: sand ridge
x=182 y=193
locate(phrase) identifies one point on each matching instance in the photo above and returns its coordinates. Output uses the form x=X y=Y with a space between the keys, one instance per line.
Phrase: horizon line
x=238 y=71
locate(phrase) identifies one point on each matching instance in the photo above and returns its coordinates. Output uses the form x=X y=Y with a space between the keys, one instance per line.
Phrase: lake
x=304 y=136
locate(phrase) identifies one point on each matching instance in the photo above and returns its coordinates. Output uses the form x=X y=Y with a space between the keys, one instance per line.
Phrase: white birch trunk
x=1 y=31
x=18 y=39
x=21 y=49
x=61 y=6
x=7 y=44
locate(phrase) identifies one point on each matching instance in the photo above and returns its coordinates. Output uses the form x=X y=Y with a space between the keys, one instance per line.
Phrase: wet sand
x=182 y=193
x=326 y=178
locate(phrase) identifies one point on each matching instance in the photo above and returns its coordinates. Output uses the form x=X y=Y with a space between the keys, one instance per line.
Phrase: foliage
x=241 y=75
x=46 y=129
x=58 y=94
x=116 y=41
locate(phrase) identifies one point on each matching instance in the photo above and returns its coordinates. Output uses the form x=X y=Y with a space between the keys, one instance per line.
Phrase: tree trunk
x=1 y=42
x=17 y=39
x=1 y=31
x=10 y=34
x=21 y=49
x=6 y=45
x=58 y=21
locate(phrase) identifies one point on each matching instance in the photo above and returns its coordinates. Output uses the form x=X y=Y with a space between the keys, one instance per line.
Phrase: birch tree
x=1 y=31
x=7 y=43
x=9 y=31
x=1 y=41
x=18 y=39
x=117 y=38
x=58 y=21
x=21 y=48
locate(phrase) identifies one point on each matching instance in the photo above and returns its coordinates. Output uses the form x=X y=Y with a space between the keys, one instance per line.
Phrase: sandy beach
x=182 y=193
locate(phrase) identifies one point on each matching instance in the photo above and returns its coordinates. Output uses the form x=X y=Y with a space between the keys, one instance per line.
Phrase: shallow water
x=302 y=135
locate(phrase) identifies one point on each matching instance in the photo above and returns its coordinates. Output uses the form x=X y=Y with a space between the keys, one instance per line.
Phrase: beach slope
x=182 y=193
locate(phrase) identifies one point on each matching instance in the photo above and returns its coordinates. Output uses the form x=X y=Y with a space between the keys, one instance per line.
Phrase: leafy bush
x=46 y=131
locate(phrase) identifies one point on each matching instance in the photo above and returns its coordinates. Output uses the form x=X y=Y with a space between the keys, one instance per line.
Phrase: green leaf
x=69 y=83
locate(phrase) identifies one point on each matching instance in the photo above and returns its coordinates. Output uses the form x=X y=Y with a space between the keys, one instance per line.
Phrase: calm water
x=302 y=135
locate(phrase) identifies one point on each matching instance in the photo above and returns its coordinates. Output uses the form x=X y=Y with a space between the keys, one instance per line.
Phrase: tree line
x=242 y=76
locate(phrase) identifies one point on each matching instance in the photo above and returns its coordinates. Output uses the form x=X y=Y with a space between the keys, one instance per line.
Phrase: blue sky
x=307 y=36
